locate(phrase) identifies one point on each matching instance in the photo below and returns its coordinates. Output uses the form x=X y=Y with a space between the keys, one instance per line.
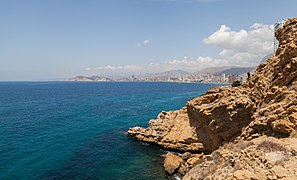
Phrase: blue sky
x=53 y=39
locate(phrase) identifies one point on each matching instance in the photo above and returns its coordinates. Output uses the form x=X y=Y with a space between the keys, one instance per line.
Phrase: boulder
x=186 y=155
x=172 y=162
x=183 y=169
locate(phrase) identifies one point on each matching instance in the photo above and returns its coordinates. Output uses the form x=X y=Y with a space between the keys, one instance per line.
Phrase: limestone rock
x=279 y=171
x=262 y=158
x=186 y=155
x=266 y=105
x=171 y=130
x=242 y=174
x=192 y=161
x=204 y=124
x=273 y=88
x=184 y=168
x=219 y=117
x=172 y=162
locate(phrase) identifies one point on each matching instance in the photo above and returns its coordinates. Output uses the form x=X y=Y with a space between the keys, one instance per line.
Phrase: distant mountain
x=265 y=58
x=172 y=76
x=235 y=71
x=173 y=73
x=227 y=70
x=211 y=70
x=90 y=79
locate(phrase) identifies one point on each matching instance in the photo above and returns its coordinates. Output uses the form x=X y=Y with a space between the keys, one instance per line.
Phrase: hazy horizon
x=52 y=40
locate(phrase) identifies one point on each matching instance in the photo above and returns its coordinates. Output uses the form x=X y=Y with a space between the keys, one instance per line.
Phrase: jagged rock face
x=203 y=124
x=220 y=115
x=171 y=130
x=274 y=88
x=266 y=105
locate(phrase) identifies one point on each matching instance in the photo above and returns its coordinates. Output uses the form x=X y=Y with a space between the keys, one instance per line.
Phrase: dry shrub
x=243 y=144
x=229 y=145
x=216 y=156
x=270 y=146
x=207 y=172
x=237 y=147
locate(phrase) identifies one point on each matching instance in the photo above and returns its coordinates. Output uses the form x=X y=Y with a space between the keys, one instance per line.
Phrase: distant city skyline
x=56 y=39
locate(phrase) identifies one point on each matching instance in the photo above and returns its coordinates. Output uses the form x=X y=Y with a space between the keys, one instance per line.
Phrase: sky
x=58 y=39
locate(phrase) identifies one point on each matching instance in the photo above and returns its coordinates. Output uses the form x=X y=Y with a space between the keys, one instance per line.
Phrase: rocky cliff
x=266 y=105
x=259 y=159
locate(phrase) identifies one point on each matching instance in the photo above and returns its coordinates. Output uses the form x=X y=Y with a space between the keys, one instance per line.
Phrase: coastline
x=257 y=115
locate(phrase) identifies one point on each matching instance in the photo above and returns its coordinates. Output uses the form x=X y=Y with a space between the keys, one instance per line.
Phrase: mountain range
x=215 y=71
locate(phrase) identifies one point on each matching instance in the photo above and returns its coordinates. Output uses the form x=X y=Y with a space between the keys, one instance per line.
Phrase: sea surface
x=77 y=130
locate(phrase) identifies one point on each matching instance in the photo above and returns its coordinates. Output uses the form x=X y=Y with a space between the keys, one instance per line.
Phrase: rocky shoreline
x=247 y=129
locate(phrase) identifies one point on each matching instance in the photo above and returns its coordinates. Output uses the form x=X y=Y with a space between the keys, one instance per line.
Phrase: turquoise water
x=65 y=130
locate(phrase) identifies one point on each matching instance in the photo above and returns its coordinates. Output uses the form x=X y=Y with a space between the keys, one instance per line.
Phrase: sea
x=78 y=130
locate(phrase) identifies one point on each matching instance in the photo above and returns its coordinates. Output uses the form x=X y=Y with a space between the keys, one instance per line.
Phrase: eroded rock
x=266 y=105
x=172 y=130
x=261 y=158
x=172 y=162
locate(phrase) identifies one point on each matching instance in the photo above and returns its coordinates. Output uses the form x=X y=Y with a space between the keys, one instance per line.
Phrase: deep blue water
x=65 y=130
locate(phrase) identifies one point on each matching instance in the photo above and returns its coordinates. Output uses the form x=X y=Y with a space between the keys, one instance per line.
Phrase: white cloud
x=146 y=41
x=238 y=48
x=244 y=47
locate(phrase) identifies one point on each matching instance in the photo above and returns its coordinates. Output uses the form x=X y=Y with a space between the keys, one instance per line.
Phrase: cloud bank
x=244 y=47
x=237 y=48
x=190 y=64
